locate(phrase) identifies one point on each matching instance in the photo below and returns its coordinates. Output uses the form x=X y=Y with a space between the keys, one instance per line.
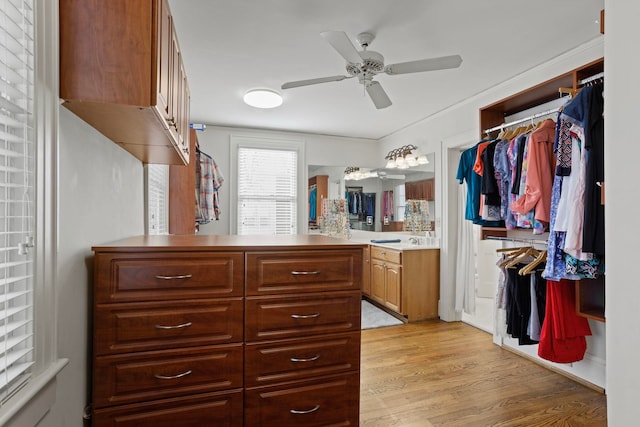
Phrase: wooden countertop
x=208 y=242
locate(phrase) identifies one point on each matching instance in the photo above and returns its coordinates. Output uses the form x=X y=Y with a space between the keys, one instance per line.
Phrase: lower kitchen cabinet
x=406 y=281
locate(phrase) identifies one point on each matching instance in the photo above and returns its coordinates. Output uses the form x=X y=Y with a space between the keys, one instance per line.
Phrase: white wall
x=622 y=175
x=100 y=200
x=320 y=150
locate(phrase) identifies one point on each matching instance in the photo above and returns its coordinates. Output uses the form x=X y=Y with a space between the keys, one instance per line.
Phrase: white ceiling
x=231 y=46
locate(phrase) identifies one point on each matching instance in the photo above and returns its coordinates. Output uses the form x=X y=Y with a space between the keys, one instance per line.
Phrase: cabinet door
x=377 y=281
x=393 y=285
x=165 y=58
x=366 y=272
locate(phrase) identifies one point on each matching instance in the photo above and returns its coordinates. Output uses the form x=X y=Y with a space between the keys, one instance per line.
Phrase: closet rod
x=515 y=122
x=592 y=78
x=518 y=240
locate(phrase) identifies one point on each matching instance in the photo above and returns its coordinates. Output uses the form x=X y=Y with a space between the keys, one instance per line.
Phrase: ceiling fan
x=366 y=64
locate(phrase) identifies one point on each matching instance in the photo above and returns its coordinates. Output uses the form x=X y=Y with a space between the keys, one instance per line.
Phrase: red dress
x=562 y=338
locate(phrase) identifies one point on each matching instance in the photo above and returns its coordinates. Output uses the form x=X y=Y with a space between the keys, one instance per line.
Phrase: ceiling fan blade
x=340 y=42
x=378 y=95
x=299 y=83
x=431 y=64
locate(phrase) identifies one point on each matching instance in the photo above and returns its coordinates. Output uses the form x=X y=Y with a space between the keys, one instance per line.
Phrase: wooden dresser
x=226 y=331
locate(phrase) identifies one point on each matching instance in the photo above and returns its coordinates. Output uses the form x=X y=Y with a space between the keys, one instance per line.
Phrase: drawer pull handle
x=302 y=412
x=172 y=377
x=182 y=276
x=310 y=359
x=184 y=325
x=305 y=273
x=305 y=316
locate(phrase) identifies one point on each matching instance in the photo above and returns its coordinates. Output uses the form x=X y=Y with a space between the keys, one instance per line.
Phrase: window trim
x=36 y=398
x=273 y=142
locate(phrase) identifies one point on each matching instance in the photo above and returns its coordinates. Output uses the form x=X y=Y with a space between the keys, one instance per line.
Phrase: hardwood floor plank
x=451 y=374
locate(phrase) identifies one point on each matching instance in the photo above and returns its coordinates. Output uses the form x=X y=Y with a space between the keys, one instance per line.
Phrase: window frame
x=268 y=142
x=29 y=404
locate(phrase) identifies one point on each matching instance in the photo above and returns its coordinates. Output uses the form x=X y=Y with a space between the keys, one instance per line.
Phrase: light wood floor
x=451 y=374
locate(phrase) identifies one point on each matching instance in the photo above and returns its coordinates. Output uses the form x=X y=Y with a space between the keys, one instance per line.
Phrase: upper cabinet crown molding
x=121 y=71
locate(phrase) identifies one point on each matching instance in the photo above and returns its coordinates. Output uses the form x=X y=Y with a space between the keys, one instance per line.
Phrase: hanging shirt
x=474 y=183
x=539 y=176
x=209 y=179
x=593 y=239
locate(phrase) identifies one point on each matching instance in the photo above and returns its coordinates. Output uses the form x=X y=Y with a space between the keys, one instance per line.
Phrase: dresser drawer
x=301 y=315
x=332 y=401
x=303 y=271
x=301 y=358
x=127 y=327
x=221 y=409
x=154 y=375
x=166 y=275
x=385 y=254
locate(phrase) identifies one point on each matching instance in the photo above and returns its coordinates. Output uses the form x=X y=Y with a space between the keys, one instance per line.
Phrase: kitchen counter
x=405 y=242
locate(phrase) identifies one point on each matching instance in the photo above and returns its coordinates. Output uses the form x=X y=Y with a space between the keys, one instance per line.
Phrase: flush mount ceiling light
x=263 y=98
x=405 y=157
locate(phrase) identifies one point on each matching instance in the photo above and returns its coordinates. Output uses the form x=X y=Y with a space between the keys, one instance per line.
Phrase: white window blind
x=267 y=195
x=17 y=175
x=157 y=199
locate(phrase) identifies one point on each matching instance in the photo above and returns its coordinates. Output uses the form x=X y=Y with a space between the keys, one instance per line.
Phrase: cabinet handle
x=305 y=316
x=304 y=273
x=302 y=412
x=172 y=377
x=310 y=359
x=184 y=325
x=182 y=276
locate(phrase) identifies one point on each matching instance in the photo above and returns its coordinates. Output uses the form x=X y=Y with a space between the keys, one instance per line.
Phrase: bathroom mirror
x=375 y=203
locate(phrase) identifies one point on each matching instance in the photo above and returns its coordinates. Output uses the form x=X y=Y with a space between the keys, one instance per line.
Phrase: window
x=267 y=191
x=157 y=203
x=17 y=185
x=267 y=185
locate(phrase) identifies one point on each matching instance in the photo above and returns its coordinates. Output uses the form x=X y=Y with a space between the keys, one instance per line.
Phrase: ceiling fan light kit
x=366 y=64
x=263 y=98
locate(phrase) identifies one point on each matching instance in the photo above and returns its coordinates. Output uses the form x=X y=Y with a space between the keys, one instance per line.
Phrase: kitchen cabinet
x=226 y=330
x=406 y=281
x=420 y=190
x=125 y=76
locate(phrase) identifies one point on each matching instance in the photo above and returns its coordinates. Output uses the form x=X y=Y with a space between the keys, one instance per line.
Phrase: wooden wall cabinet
x=406 y=281
x=121 y=71
x=420 y=190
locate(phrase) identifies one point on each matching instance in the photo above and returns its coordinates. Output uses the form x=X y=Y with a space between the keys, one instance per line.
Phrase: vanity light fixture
x=263 y=98
x=405 y=157
x=353 y=173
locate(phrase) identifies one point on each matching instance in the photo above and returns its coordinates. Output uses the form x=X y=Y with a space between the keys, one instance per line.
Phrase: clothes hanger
x=510 y=257
x=529 y=268
x=530 y=252
x=512 y=249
